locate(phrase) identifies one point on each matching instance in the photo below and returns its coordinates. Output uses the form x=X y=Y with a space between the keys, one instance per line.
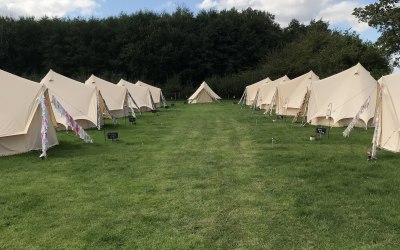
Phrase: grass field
x=203 y=177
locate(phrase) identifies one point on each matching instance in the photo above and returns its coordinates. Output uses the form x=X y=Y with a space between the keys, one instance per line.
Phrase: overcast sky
x=337 y=12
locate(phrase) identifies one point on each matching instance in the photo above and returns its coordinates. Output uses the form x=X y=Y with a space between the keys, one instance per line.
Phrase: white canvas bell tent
x=336 y=100
x=387 y=118
x=204 y=94
x=267 y=93
x=292 y=94
x=27 y=118
x=117 y=98
x=141 y=95
x=82 y=102
x=156 y=93
x=250 y=93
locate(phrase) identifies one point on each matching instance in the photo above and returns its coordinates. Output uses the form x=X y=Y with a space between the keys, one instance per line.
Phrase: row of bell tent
x=350 y=98
x=31 y=111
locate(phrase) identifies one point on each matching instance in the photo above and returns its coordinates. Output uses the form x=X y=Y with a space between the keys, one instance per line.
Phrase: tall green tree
x=178 y=50
x=384 y=15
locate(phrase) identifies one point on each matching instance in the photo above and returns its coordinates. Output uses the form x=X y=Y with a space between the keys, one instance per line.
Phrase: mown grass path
x=203 y=177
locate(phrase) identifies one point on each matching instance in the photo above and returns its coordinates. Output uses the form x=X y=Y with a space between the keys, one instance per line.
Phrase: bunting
x=114 y=120
x=45 y=125
x=78 y=130
x=377 y=124
x=350 y=127
x=271 y=107
x=163 y=100
x=98 y=112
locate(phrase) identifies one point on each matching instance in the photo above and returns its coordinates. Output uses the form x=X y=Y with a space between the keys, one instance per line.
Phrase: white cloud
x=340 y=13
x=334 y=11
x=169 y=5
x=50 y=8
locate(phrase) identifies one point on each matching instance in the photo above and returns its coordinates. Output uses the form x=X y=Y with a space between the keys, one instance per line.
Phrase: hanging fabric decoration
x=243 y=98
x=353 y=122
x=377 y=124
x=103 y=111
x=78 y=130
x=114 y=120
x=98 y=112
x=163 y=100
x=271 y=107
x=45 y=125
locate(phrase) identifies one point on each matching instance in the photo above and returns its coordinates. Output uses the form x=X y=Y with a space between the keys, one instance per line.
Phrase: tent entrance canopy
x=203 y=97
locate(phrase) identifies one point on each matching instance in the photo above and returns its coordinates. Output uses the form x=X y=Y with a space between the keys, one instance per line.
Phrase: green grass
x=203 y=177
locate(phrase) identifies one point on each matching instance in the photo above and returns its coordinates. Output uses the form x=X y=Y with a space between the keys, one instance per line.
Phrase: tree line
x=177 y=51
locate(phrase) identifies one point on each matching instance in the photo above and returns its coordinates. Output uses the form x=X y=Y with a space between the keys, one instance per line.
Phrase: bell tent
x=204 y=94
x=266 y=95
x=294 y=94
x=336 y=100
x=156 y=93
x=250 y=93
x=82 y=102
x=27 y=121
x=141 y=95
x=117 y=98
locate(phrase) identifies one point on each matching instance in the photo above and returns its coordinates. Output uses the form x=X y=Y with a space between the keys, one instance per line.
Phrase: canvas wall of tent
x=387 y=133
x=82 y=102
x=141 y=95
x=204 y=94
x=335 y=100
x=117 y=98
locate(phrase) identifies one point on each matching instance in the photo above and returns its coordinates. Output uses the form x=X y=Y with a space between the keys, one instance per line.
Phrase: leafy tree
x=385 y=16
x=326 y=52
x=178 y=50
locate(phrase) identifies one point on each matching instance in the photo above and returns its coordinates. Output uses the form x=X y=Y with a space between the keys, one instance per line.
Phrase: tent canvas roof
x=113 y=94
x=267 y=92
x=19 y=97
x=290 y=94
x=78 y=99
x=141 y=95
x=156 y=92
x=252 y=89
x=341 y=96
